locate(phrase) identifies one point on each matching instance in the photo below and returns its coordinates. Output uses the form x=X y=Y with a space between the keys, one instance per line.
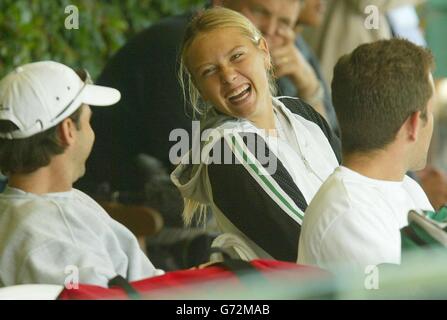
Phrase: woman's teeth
x=240 y=93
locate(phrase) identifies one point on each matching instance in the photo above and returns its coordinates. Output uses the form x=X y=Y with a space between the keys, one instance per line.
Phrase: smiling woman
x=203 y=47
x=230 y=73
x=226 y=72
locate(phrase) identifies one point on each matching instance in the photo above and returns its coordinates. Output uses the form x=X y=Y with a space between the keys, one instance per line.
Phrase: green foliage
x=32 y=30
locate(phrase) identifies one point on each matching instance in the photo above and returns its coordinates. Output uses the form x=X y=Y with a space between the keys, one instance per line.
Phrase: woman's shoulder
x=300 y=112
x=299 y=107
x=309 y=120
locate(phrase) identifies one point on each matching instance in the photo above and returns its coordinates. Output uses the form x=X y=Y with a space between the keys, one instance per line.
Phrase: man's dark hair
x=376 y=88
x=29 y=154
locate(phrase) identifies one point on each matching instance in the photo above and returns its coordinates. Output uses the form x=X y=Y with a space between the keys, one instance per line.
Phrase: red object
x=178 y=282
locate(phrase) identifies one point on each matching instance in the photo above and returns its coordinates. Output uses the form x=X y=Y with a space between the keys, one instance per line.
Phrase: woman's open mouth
x=240 y=94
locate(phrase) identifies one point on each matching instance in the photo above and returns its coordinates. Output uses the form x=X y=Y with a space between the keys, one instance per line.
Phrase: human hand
x=288 y=61
x=434 y=183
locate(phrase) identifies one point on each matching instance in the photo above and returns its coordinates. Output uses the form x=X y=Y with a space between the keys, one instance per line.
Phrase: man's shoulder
x=176 y=21
x=327 y=210
x=30 y=211
x=21 y=206
x=410 y=184
x=166 y=29
x=28 y=222
x=83 y=199
x=333 y=196
x=82 y=195
x=161 y=35
x=416 y=193
x=157 y=43
x=338 y=201
x=327 y=206
x=345 y=200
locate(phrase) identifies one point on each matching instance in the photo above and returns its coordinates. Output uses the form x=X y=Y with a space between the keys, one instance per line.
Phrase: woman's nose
x=228 y=74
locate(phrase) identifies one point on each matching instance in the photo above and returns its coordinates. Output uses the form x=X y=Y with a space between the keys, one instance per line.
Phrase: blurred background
x=35 y=30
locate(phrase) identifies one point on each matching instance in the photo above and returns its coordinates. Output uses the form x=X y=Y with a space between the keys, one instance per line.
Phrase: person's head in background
x=383 y=96
x=312 y=13
x=269 y=16
x=227 y=65
x=45 y=123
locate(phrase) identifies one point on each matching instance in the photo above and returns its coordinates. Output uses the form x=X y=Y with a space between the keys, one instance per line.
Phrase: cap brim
x=92 y=95
x=99 y=96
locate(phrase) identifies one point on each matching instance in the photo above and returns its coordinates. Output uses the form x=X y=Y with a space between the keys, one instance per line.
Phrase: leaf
x=32 y=30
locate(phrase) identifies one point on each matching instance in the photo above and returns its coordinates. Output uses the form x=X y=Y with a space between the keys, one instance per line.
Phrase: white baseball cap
x=39 y=95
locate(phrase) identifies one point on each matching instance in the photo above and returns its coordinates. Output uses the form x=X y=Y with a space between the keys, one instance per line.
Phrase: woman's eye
x=237 y=56
x=207 y=72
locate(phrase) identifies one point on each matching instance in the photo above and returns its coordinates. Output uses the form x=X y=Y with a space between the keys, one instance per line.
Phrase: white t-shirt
x=355 y=221
x=51 y=238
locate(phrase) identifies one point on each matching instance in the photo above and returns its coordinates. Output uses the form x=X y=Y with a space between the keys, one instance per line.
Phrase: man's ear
x=412 y=125
x=66 y=131
x=264 y=47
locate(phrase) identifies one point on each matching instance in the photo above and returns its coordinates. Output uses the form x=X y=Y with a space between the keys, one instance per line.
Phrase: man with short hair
x=383 y=97
x=46 y=226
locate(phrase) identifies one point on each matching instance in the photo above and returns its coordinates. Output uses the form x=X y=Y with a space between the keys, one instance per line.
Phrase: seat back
x=142 y=221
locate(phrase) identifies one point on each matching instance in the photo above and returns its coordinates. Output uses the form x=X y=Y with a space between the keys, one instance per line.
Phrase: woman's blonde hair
x=206 y=21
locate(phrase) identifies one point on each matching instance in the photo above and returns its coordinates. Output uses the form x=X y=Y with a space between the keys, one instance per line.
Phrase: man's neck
x=379 y=165
x=49 y=179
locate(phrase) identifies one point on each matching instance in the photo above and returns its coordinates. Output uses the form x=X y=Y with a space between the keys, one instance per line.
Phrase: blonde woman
x=226 y=71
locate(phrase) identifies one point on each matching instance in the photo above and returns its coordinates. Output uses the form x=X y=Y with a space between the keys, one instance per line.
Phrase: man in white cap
x=47 y=228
